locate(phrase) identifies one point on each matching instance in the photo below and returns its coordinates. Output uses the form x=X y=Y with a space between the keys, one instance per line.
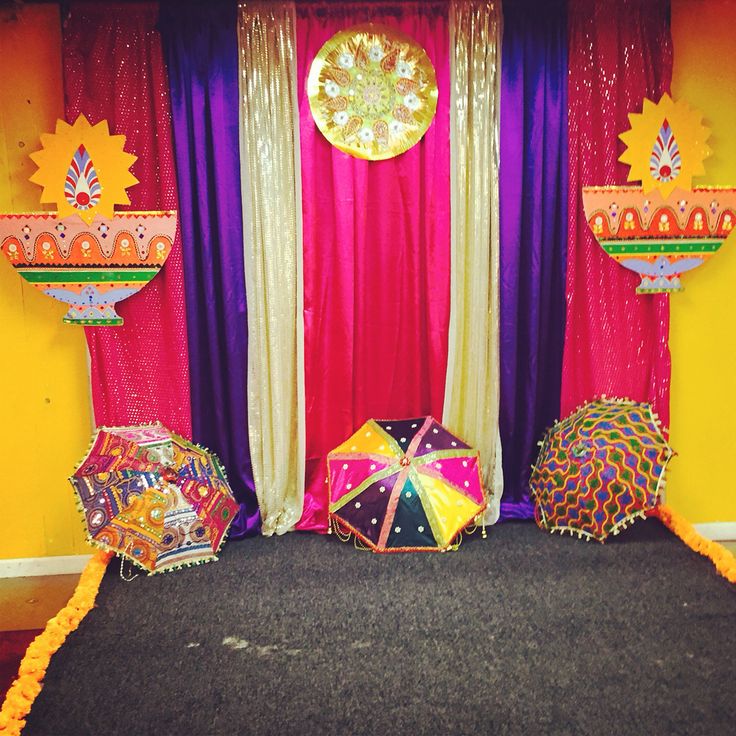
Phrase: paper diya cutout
x=372 y=91
x=85 y=254
x=666 y=226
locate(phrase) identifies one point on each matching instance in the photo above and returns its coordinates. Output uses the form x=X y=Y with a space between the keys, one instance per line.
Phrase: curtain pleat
x=615 y=339
x=533 y=199
x=201 y=46
x=376 y=256
x=114 y=70
x=472 y=386
x=269 y=171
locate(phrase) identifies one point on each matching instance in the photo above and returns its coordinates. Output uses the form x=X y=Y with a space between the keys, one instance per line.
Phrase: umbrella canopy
x=404 y=485
x=599 y=469
x=154 y=497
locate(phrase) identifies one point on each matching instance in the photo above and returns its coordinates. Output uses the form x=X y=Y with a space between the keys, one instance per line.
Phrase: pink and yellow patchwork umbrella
x=154 y=497
x=404 y=485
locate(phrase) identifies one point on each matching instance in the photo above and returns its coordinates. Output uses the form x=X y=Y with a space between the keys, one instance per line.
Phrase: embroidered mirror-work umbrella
x=153 y=497
x=404 y=485
x=600 y=469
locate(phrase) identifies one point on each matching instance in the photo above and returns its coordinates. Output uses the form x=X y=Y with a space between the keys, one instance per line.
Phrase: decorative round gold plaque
x=372 y=91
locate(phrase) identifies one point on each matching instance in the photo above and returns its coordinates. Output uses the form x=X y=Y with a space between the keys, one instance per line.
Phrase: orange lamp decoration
x=664 y=227
x=85 y=254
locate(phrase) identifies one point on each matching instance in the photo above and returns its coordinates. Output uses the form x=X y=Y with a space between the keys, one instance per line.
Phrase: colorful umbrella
x=154 y=497
x=599 y=469
x=404 y=485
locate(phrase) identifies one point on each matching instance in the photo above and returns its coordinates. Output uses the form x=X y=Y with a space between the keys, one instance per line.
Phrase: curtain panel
x=472 y=383
x=114 y=70
x=201 y=47
x=270 y=187
x=376 y=256
x=615 y=339
x=533 y=248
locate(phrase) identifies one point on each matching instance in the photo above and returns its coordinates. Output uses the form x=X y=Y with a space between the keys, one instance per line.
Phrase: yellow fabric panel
x=372 y=440
x=44 y=391
x=450 y=510
x=701 y=483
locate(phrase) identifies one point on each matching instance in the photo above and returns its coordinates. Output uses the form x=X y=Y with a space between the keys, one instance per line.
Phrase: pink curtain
x=615 y=340
x=376 y=257
x=114 y=70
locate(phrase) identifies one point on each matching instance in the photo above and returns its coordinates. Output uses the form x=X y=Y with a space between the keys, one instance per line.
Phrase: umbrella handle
x=122 y=561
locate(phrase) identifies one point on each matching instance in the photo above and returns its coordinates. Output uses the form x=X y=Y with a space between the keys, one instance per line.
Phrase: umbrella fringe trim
x=32 y=670
x=723 y=560
x=343 y=531
x=615 y=529
x=157 y=571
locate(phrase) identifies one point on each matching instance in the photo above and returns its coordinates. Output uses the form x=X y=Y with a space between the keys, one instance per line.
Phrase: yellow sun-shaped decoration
x=665 y=146
x=83 y=169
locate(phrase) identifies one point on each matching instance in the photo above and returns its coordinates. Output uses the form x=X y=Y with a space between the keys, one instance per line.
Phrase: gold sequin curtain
x=270 y=182
x=472 y=390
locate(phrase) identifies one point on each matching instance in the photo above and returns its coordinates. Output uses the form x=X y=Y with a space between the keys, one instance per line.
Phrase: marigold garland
x=32 y=670
x=724 y=561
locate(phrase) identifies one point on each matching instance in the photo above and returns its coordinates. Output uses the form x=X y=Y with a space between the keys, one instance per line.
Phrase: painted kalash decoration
x=85 y=254
x=666 y=226
x=372 y=91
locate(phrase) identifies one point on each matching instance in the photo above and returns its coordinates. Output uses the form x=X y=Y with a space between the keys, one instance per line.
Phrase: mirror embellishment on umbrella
x=404 y=485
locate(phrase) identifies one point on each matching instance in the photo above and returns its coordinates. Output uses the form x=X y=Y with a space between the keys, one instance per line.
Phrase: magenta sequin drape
x=615 y=339
x=114 y=70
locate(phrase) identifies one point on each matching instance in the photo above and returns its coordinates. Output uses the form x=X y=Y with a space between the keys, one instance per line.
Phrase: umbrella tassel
x=334 y=524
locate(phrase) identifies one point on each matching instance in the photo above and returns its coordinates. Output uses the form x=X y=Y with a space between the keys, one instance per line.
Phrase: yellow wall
x=44 y=391
x=702 y=481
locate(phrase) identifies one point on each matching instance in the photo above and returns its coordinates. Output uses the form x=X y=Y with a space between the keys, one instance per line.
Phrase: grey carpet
x=523 y=633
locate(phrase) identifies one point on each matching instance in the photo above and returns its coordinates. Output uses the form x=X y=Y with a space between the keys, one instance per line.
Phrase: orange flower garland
x=28 y=684
x=724 y=560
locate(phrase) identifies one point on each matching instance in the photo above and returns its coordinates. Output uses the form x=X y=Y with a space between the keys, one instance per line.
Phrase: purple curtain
x=533 y=200
x=201 y=49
